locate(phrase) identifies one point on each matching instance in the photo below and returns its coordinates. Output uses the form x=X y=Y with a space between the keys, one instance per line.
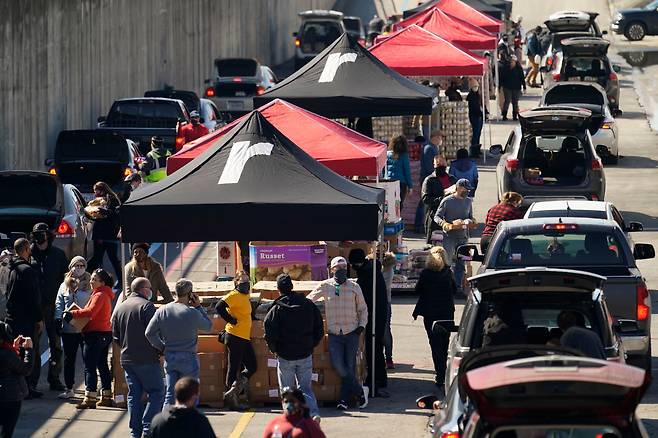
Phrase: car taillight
x=64 y=229
x=180 y=141
x=556 y=76
x=210 y=91
x=595 y=197
x=613 y=76
x=52 y=171
x=597 y=164
x=511 y=164
x=127 y=172
x=643 y=302
x=549 y=61
x=608 y=125
x=560 y=227
x=260 y=90
x=297 y=42
x=450 y=435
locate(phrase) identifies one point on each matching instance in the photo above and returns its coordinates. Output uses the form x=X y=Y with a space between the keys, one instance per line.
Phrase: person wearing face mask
x=194 y=130
x=142 y=265
x=508 y=209
x=139 y=360
x=430 y=150
x=295 y=421
x=74 y=289
x=155 y=167
x=346 y=314
x=130 y=184
x=475 y=116
x=51 y=264
x=235 y=308
x=173 y=331
x=432 y=193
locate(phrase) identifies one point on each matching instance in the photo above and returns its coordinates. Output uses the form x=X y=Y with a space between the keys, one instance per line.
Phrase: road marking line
x=243 y=422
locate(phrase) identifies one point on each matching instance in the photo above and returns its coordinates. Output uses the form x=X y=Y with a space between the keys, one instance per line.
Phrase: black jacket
x=435 y=295
x=175 y=422
x=13 y=370
x=51 y=266
x=107 y=228
x=364 y=280
x=293 y=327
x=23 y=298
x=474 y=99
x=513 y=78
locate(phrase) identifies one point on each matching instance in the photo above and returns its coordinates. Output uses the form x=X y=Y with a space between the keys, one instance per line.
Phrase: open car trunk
x=555 y=390
x=580 y=95
x=84 y=157
x=189 y=98
x=27 y=198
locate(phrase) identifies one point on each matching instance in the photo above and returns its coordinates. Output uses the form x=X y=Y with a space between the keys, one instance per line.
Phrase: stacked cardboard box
x=267 y=290
x=212 y=373
x=455 y=126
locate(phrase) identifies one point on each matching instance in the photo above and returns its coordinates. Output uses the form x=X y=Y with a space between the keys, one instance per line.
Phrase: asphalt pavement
x=631 y=185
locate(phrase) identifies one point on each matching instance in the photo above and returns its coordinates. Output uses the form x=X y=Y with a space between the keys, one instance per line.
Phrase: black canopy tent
x=345 y=80
x=255 y=184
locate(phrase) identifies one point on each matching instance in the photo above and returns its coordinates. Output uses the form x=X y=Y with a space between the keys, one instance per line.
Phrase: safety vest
x=159 y=170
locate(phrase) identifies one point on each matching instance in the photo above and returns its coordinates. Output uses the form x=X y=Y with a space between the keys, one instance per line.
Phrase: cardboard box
x=211 y=366
x=257 y=330
x=211 y=393
x=392 y=200
x=218 y=324
x=301 y=260
x=326 y=393
x=269 y=291
x=209 y=344
x=227 y=259
x=273 y=377
x=330 y=377
x=208 y=288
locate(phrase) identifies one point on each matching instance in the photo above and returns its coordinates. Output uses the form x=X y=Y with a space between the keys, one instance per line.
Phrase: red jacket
x=294 y=427
x=191 y=132
x=98 y=309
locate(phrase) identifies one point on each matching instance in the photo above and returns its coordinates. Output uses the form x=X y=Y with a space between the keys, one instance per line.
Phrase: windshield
x=317 y=35
x=552 y=249
x=584 y=68
x=652 y=6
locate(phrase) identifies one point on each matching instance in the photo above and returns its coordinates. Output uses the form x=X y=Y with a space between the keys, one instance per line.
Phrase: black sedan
x=636 y=23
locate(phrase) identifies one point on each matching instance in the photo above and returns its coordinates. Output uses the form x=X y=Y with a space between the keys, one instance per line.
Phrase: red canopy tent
x=459 y=9
x=459 y=32
x=414 y=51
x=341 y=149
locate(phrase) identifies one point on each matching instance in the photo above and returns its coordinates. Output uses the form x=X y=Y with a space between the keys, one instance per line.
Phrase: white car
x=591 y=96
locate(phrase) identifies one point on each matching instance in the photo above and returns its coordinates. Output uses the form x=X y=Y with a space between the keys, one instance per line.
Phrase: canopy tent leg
x=484 y=121
x=497 y=81
x=123 y=266
x=165 y=257
x=182 y=247
x=372 y=320
x=217 y=259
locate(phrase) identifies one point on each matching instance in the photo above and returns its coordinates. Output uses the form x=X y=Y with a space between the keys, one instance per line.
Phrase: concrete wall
x=63 y=62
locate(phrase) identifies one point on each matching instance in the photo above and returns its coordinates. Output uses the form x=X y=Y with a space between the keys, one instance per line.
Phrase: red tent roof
x=341 y=149
x=457 y=31
x=459 y=9
x=415 y=51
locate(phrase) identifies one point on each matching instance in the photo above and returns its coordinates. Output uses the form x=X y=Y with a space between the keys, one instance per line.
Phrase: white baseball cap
x=338 y=261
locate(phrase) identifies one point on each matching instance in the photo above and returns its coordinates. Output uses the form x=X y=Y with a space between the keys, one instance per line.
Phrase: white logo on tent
x=241 y=152
x=333 y=62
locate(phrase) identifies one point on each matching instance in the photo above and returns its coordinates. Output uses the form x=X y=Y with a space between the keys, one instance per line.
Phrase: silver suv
x=318 y=30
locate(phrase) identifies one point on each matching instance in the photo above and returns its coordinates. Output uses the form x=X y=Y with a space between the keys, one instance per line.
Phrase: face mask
x=476 y=88
x=195 y=122
x=289 y=408
x=341 y=276
x=440 y=170
x=243 y=287
x=40 y=238
x=78 y=272
x=149 y=297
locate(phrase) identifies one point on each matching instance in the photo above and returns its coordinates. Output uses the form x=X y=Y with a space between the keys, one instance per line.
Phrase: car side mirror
x=496 y=149
x=622 y=326
x=49 y=162
x=604 y=32
x=101 y=119
x=469 y=252
x=643 y=251
x=616 y=68
x=426 y=401
x=634 y=227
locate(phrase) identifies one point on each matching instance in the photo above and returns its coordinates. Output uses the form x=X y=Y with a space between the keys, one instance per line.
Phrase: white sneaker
x=69 y=393
x=363 y=402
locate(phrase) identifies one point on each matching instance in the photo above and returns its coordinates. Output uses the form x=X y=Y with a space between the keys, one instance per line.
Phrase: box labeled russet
x=300 y=260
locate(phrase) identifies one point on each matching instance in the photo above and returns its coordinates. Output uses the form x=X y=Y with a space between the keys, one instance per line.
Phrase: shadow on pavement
x=635 y=162
x=634 y=115
x=650 y=223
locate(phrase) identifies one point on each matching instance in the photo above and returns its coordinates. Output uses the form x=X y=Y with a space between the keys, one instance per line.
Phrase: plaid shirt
x=344 y=306
x=499 y=213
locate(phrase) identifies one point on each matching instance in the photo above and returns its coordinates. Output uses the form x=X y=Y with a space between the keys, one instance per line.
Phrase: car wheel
x=635 y=31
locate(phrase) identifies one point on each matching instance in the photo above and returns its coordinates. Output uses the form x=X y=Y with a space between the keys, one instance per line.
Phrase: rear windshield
x=574 y=94
x=595 y=214
x=583 y=68
x=562 y=250
x=551 y=144
x=317 y=35
x=352 y=25
x=236 y=67
x=191 y=100
x=132 y=112
x=24 y=190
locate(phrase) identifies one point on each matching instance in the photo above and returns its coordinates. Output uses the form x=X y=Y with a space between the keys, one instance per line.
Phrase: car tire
x=635 y=31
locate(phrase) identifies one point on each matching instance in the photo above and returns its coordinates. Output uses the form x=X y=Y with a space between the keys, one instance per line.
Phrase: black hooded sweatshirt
x=51 y=266
x=364 y=280
x=293 y=327
x=23 y=299
x=176 y=422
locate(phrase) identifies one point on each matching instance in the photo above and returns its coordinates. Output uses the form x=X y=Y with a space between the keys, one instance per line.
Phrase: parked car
x=140 y=118
x=555 y=396
x=591 y=209
x=570 y=21
x=354 y=27
x=529 y=300
x=455 y=407
x=318 y=30
x=29 y=197
x=602 y=126
x=555 y=46
x=585 y=59
x=636 y=23
x=596 y=246
x=236 y=82
x=211 y=117
x=549 y=156
x=84 y=157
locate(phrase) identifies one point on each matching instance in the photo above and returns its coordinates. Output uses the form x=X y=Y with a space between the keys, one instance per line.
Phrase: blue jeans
x=476 y=124
x=342 y=351
x=179 y=364
x=450 y=244
x=95 y=346
x=143 y=378
x=293 y=373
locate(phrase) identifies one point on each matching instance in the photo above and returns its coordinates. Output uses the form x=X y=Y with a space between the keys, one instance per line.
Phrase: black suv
x=636 y=23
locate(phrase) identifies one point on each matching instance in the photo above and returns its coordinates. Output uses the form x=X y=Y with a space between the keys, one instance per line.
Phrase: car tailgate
x=621 y=296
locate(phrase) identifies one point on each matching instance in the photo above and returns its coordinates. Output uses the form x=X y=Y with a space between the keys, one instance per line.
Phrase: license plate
x=235 y=105
x=240 y=93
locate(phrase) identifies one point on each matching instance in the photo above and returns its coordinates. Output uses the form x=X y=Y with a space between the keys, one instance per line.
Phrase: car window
x=78 y=198
x=582 y=68
x=510 y=142
x=593 y=248
x=547 y=318
x=208 y=113
x=317 y=35
x=136 y=111
x=616 y=215
x=552 y=143
x=595 y=214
